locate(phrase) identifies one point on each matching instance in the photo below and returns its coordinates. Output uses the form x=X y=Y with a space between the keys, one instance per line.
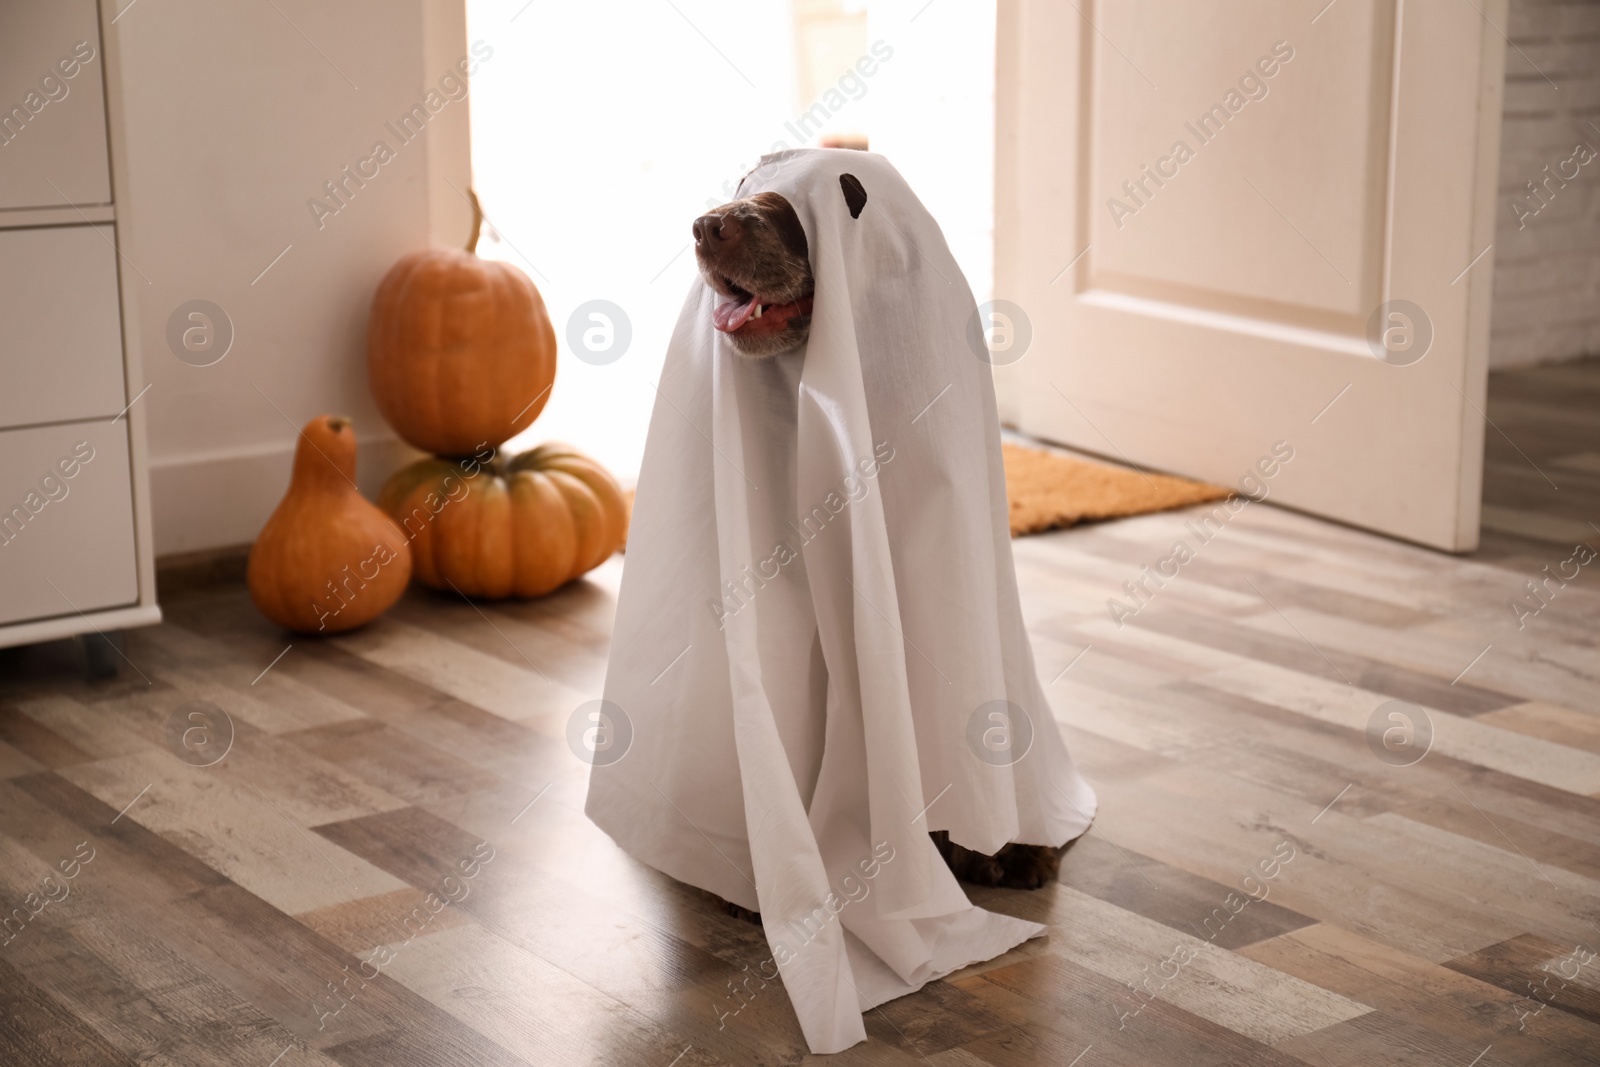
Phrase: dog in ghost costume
x=819 y=658
x=753 y=252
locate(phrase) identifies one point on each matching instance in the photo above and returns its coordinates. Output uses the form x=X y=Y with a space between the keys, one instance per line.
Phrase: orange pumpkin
x=490 y=528
x=327 y=560
x=460 y=350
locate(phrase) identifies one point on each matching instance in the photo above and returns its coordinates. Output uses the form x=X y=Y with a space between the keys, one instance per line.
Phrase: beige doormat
x=1047 y=490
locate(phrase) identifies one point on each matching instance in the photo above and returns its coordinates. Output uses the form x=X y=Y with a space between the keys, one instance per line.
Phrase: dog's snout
x=716 y=233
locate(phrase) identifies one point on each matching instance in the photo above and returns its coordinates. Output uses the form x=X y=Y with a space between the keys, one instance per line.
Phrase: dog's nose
x=716 y=233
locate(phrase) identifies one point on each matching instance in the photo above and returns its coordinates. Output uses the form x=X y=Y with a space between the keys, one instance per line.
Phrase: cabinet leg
x=102 y=654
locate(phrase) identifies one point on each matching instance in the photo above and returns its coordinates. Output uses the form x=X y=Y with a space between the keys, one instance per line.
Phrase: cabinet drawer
x=73 y=531
x=52 y=105
x=61 y=347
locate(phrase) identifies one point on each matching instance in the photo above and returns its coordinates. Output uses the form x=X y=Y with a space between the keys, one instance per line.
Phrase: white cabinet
x=75 y=549
x=62 y=347
x=66 y=520
x=52 y=105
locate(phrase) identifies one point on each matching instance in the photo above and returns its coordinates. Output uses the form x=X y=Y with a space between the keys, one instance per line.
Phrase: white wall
x=600 y=131
x=235 y=116
x=932 y=113
x=1547 y=247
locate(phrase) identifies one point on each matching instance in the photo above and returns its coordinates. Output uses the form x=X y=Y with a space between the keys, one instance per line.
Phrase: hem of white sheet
x=971 y=936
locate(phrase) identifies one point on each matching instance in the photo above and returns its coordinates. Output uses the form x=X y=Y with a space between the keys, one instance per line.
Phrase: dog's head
x=753 y=253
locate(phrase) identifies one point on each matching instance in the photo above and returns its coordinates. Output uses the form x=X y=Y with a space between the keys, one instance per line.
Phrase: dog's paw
x=1013 y=867
x=979 y=869
x=967 y=865
x=1028 y=866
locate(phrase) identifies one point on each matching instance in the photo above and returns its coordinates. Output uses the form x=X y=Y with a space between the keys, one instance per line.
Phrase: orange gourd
x=327 y=560
x=460 y=350
x=491 y=528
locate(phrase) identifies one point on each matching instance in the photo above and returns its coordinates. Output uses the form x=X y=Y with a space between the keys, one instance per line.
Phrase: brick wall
x=1547 y=243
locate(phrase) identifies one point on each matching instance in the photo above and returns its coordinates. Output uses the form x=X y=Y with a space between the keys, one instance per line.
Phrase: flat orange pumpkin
x=460 y=350
x=491 y=528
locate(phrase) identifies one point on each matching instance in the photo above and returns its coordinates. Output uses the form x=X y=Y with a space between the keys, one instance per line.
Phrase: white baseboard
x=204 y=502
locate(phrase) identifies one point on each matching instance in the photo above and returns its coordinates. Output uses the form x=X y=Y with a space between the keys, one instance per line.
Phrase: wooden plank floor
x=1260 y=887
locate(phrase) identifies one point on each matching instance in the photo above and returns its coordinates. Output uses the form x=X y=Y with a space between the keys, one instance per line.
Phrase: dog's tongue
x=731 y=315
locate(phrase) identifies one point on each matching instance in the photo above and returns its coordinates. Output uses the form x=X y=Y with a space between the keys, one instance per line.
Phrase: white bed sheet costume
x=818 y=620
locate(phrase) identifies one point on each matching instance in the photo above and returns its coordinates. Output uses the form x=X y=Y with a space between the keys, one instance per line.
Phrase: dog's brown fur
x=757 y=246
x=1013 y=867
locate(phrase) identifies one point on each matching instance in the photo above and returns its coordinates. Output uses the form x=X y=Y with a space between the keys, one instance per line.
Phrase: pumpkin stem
x=477 y=222
x=325 y=456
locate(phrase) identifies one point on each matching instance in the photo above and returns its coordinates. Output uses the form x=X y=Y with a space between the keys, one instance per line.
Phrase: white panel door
x=52 y=105
x=1251 y=237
